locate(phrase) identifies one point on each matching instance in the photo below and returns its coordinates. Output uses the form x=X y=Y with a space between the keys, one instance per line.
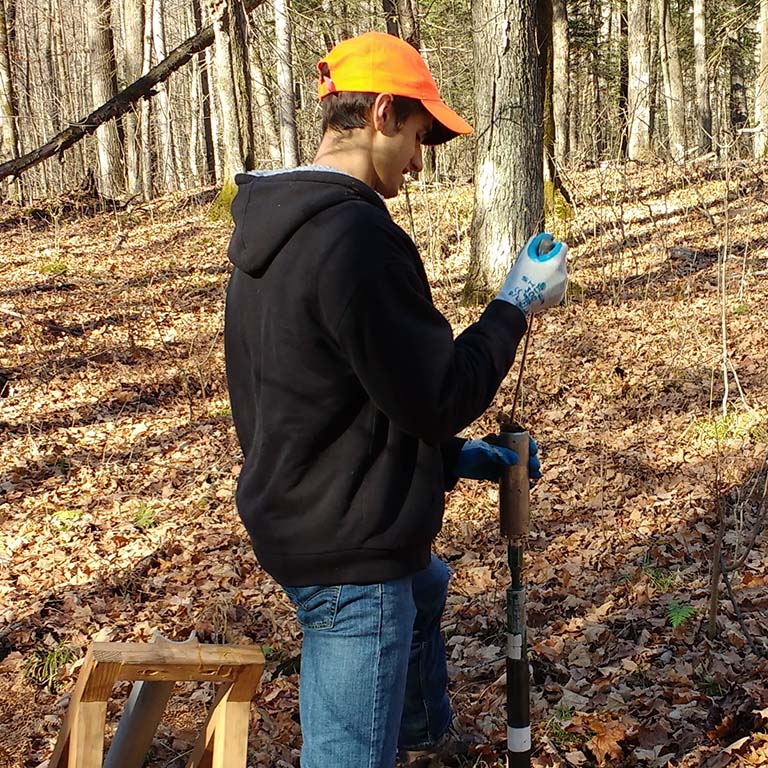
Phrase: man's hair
x=345 y=110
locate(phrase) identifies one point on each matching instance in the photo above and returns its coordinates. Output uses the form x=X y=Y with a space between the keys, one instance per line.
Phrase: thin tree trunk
x=639 y=85
x=390 y=17
x=761 y=87
x=9 y=142
x=703 y=108
x=264 y=105
x=408 y=17
x=288 y=136
x=544 y=13
x=145 y=144
x=218 y=160
x=205 y=98
x=165 y=153
x=133 y=67
x=560 y=79
x=103 y=89
x=673 y=82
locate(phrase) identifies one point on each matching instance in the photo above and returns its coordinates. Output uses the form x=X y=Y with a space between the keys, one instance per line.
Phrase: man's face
x=397 y=151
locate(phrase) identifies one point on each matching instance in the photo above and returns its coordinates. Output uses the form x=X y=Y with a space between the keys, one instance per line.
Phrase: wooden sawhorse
x=223 y=741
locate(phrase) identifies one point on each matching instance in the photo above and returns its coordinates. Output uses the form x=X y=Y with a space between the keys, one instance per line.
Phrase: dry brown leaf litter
x=119 y=462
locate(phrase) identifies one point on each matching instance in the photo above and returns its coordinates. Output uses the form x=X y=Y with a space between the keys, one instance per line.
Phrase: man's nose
x=416 y=161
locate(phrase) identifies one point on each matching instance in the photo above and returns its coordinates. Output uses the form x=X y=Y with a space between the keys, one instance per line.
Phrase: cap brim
x=448 y=125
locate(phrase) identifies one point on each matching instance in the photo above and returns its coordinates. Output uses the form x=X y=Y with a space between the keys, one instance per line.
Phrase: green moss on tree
x=222 y=203
x=557 y=211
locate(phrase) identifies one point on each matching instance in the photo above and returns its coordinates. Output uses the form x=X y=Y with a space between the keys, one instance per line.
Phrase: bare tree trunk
x=165 y=153
x=390 y=16
x=703 y=108
x=233 y=159
x=408 y=16
x=289 y=141
x=639 y=80
x=133 y=67
x=216 y=130
x=241 y=74
x=761 y=86
x=560 y=79
x=544 y=14
x=509 y=196
x=205 y=97
x=9 y=141
x=265 y=107
x=145 y=143
x=673 y=82
x=103 y=88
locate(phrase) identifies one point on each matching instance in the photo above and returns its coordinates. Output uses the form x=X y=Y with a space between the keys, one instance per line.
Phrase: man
x=347 y=388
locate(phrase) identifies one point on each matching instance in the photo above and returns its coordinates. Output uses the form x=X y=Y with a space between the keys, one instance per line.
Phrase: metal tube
x=514 y=522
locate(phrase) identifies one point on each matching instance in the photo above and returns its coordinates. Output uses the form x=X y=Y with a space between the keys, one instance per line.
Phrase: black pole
x=514 y=520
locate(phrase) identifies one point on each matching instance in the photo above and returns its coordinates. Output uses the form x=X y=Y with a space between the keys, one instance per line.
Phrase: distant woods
x=636 y=79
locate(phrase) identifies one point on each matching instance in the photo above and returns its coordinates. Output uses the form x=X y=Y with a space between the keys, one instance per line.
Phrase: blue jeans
x=373 y=669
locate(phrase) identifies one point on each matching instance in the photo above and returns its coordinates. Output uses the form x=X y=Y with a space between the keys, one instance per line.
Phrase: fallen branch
x=118 y=105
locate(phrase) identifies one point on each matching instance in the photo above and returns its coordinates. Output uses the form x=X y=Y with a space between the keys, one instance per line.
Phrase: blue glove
x=481 y=460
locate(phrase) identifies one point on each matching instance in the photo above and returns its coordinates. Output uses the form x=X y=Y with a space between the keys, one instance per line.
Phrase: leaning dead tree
x=117 y=106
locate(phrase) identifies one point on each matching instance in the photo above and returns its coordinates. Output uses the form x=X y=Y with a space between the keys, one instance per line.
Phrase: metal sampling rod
x=514 y=518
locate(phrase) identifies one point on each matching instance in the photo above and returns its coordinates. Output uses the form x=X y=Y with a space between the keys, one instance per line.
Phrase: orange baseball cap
x=380 y=63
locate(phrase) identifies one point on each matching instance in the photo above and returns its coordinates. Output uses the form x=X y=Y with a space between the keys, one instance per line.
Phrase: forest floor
x=118 y=463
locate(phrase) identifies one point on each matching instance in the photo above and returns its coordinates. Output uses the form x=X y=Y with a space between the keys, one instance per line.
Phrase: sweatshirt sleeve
x=450 y=450
x=403 y=351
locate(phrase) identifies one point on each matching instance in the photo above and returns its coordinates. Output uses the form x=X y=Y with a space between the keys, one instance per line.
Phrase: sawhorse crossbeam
x=223 y=740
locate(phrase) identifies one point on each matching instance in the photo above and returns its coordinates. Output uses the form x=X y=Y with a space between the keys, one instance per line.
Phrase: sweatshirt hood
x=271 y=206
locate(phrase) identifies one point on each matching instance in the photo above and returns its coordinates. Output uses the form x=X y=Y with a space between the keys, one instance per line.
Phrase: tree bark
x=560 y=79
x=408 y=17
x=103 y=88
x=639 y=81
x=266 y=109
x=544 y=13
x=390 y=17
x=133 y=61
x=289 y=141
x=761 y=86
x=116 y=106
x=509 y=196
x=672 y=75
x=165 y=149
x=9 y=141
x=703 y=107
x=205 y=98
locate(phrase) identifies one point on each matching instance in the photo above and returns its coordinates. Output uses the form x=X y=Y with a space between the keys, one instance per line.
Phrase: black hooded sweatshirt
x=346 y=383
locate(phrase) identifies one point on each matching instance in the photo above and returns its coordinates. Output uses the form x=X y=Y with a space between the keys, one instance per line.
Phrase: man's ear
x=383 y=114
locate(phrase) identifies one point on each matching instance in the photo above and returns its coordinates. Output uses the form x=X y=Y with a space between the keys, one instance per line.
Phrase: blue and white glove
x=538 y=277
x=480 y=460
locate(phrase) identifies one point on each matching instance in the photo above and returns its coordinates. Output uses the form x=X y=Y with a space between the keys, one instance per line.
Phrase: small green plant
x=556 y=727
x=678 y=613
x=56 y=268
x=44 y=665
x=221 y=413
x=662 y=579
x=67 y=516
x=709 y=433
x=741 y=309
x=144 y=517
x=710 y=686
